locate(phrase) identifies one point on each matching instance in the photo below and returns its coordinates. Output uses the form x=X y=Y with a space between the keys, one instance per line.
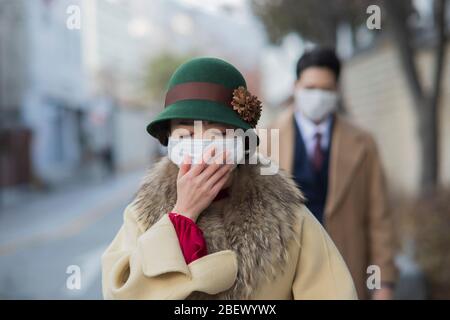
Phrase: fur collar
x=256 y=221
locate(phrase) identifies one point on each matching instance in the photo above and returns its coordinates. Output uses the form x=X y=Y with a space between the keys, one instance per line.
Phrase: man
x=337 y=167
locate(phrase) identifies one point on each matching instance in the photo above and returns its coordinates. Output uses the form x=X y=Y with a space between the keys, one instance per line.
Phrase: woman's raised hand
x=198 y=184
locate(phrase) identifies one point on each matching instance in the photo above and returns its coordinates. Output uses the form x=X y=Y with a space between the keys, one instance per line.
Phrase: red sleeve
x=192 y=242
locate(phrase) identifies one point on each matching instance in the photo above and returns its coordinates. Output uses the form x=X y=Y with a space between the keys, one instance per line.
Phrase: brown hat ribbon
x=199 y=91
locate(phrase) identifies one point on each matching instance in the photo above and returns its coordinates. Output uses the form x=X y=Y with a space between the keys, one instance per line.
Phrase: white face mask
x=316 y=104
x=195 y=148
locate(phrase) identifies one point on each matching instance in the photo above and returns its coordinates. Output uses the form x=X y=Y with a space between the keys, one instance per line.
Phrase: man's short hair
x=319 y=57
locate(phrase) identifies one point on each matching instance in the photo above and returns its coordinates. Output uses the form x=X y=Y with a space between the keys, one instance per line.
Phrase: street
x=40 y=239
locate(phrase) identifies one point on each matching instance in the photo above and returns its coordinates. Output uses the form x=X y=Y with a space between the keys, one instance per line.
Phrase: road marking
x=70 y=229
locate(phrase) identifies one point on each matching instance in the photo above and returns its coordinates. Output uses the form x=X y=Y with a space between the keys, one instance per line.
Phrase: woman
x=204 y=227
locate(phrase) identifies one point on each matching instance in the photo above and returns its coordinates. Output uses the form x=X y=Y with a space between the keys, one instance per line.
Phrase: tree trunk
x=425 y=103
x=429 y=119
x=428 y=136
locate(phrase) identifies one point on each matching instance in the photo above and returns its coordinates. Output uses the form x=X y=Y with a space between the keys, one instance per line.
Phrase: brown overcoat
x=356 y=213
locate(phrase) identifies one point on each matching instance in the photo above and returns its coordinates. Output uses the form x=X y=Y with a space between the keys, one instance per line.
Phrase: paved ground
x=42 y=236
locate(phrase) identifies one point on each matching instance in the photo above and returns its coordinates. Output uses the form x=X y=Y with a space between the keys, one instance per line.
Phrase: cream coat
x=263 y=243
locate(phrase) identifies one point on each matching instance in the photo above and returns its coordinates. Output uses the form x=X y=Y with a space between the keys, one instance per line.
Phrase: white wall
x=133 y=146
x=377 y=96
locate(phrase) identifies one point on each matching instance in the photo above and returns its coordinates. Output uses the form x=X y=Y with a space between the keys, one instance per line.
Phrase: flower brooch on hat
x=246 y=105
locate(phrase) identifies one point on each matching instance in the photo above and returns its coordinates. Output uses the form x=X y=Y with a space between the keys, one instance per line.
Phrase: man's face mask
x=316 y=104
x=195 y=148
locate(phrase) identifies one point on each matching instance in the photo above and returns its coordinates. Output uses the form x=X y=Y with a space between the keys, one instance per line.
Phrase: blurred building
x=121 y=37
x=115 y=50
x=116 y=47
x=73 y=96
x=42 y=82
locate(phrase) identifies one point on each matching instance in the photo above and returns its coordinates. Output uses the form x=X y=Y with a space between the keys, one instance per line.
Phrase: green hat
x=207 y=89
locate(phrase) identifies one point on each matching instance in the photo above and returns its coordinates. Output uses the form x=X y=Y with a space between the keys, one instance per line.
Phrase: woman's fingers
x=185 y=166
x=222 y=171
x=215 y=164
x=220 y=183
x=199 y=167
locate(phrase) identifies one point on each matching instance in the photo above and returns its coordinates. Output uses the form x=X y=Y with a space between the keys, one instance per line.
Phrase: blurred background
x=80 y=79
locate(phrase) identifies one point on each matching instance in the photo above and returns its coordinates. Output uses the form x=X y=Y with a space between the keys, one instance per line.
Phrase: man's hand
x=385 y=293
x=198 y=184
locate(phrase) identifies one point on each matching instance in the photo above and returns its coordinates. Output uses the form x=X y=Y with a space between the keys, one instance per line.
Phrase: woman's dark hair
x=319 y=57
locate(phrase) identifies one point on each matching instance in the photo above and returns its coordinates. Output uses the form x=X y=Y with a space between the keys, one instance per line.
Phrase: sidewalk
x=46 y=233
x=64 y=212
